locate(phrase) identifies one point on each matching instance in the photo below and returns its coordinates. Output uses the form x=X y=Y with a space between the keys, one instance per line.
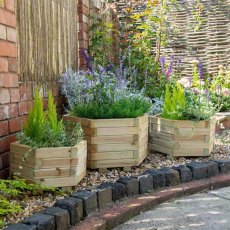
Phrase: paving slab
x=205 y=211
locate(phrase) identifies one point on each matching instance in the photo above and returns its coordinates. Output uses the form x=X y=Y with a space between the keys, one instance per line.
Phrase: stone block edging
x=154 y=186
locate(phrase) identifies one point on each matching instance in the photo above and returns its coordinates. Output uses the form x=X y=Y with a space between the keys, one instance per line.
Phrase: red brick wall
x=11 y=109
x=83 y=23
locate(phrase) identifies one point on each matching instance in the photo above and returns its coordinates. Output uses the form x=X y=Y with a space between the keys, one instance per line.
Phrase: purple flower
x=200 y=69
x=88 y=60
x=162 y=63
x=170 y=68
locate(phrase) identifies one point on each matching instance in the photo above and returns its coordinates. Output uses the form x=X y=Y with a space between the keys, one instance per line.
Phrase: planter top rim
x=61 y=147
x=158 y=115
x=104 y=119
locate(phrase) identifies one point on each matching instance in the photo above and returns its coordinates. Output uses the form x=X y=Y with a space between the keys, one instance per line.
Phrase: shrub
x=174 y=103
x=43 y=129
x=103 y=93
x=123 y=108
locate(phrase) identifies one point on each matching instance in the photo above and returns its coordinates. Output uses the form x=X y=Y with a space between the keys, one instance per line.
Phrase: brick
x=212 y=168
x=145 y=183
x=84 y=2
x=5 y=142
x=4 y=173
x=23 y=108
x=74 y=206
x=8 y=80
x=131 y=184
x=42 y=221
x=4 y=96
x=172 y=176
x=14 y=95
x=83 y=27
x=4 y=128
x=159 y=178
x=7 y=18
x=9 y=4
x=5 y=160
x=89 y=200
x=104 y=196
x=23 y=92
x=7 y=49
x=83 y=35
x=13 y=65
x=224 y=166
x=185 y=173
x=61 y=216
x=16 y=124
x=82 y=9
x=83 y=44
x=21 y=226
x=2 y=32
x=11 y=34
x=199 y=170
x=8 y=111
x=3 y=64
x=118 y=189
x=29 y=92
x=83 y=18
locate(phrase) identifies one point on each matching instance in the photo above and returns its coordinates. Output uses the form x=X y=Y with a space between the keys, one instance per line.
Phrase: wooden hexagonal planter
x=181 y=138
x=57 y=167
x=114 y=142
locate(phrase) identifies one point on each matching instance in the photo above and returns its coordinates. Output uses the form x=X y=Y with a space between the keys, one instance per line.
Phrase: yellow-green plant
x=52 y=116
x=36 y=119
x=43 y=129
x=174 y=103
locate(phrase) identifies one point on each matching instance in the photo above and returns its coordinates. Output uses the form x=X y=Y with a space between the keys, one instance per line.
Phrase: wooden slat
x=110 y=155
x=109 y=123
x=111 y=139
x=111 y=131
x=112 y=147
x=58 y=162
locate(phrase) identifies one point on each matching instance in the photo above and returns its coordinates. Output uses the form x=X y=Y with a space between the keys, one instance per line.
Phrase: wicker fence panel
x=210 y=43
x=47 y=42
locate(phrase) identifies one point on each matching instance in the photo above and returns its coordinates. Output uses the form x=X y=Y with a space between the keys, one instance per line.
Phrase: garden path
x=205 y=211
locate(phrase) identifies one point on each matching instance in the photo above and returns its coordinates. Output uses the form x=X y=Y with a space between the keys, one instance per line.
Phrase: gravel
x=154 y=160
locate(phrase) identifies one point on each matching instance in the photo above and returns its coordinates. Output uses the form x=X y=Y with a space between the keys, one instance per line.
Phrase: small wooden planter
x=57 y=167
x=181 y=138
x=114 y=142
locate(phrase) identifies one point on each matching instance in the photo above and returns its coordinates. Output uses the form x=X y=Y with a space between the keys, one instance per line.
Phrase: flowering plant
x=102 y=92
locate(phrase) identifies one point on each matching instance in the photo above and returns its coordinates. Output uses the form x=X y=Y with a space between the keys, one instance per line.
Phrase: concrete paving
x=205 y=211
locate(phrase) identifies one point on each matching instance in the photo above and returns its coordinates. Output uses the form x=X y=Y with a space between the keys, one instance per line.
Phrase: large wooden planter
x=181 y=138
x=57 y=167
x=114 y=142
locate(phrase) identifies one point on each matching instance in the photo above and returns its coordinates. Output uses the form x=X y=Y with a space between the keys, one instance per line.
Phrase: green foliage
x=50 y=132
x=222 y=101
x=101 y=41
x=36 y=119
x=55 y=125
x=17 y=189
x=199 y=107
x=123 y=108
x=174 y=103
x=195 y=75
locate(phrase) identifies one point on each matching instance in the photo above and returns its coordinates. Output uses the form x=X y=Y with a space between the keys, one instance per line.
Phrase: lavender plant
x=100 y=92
